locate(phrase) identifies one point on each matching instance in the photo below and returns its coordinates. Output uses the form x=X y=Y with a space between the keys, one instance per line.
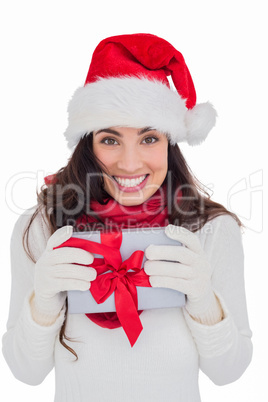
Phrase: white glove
x=55 y=273
x=187 y=270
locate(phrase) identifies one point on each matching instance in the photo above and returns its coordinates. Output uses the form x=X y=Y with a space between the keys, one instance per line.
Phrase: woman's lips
x=132 y=189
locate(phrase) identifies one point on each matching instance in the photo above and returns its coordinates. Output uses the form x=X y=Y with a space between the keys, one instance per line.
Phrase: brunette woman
x=127 y=171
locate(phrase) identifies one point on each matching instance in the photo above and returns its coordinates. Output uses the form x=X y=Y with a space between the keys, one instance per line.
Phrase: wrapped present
x=121 y=284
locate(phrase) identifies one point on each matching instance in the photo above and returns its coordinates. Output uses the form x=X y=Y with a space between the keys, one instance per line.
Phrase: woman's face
x=136 y=162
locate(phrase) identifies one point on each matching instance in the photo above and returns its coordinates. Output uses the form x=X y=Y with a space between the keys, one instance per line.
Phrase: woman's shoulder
x=222 y=228
x=39 y=223
x=224 y=222
x=38 y=233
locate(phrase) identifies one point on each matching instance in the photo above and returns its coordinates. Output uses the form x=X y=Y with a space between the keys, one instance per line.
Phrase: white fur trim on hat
x=136 y=102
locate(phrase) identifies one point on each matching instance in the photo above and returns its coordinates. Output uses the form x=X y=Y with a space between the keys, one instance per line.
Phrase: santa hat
x=127 y=85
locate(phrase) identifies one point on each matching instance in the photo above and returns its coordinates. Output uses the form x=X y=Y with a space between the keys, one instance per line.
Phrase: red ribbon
x=119 y=280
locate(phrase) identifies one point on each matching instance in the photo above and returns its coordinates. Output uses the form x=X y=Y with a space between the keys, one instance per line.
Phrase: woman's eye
x=109 y=141
x=150 y=140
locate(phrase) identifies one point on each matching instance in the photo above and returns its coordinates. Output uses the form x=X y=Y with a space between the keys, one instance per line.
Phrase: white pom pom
x=199 y=121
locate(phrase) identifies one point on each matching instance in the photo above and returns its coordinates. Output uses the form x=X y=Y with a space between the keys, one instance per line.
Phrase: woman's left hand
x=185 y=269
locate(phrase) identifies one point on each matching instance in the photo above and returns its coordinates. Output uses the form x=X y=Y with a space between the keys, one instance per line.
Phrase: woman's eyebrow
x=110 y=131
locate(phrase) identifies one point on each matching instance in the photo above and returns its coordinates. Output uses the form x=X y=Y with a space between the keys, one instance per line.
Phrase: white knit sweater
x=164 y=363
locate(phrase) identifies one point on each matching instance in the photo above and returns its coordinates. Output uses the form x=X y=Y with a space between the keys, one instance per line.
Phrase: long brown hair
x=65 y=200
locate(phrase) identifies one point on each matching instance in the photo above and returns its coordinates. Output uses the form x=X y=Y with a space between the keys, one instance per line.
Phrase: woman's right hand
x=55 y=273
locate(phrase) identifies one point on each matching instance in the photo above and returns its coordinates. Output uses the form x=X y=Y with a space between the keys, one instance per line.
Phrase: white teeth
x=129 y=182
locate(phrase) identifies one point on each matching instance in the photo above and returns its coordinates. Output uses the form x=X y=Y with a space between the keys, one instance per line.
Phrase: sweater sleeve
x=225 y=349
x=28 y=348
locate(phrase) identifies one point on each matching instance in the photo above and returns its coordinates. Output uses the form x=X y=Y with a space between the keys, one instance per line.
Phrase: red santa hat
x=127 y=85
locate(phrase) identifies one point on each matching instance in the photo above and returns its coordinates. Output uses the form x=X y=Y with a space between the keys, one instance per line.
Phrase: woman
x=127 y=171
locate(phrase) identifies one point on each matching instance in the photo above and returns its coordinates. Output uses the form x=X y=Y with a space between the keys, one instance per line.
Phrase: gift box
x=131 y=241
x=121 y=287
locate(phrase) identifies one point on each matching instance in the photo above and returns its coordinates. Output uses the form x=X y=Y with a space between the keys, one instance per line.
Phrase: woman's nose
x=130 y=160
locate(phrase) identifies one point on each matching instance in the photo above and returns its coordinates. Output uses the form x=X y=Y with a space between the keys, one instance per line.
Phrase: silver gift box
x=148 y=297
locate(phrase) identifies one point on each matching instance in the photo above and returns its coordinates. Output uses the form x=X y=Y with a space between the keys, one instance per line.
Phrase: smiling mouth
x=130 y=183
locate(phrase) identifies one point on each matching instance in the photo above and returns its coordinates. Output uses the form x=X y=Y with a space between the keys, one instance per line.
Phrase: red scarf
x=152 y=213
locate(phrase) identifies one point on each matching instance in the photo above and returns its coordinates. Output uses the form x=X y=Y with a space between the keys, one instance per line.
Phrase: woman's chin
x=128 y=199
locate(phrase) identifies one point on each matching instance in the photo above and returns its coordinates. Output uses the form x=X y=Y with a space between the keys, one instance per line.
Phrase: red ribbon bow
x=119 y=280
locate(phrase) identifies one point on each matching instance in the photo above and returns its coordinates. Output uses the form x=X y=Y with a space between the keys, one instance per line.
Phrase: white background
x=45 y=54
